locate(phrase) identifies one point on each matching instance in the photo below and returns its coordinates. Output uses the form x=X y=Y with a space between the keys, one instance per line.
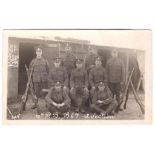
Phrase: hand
x=86 y=89
x=64 y=87
x=72 y=90
x=93 y=87
x=99 y=101
x=55 y=104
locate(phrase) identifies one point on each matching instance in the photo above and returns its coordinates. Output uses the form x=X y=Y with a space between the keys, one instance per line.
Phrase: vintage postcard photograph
x=77 y=76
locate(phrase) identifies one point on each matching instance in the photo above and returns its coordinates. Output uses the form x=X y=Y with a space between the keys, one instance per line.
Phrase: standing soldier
x=90 y=59
x=97 y=74
x=69 y=61
x=79 y=87
x=102 y=101
x=115 y=76
x=59 y=74
x=40 y=75
x=57 y=100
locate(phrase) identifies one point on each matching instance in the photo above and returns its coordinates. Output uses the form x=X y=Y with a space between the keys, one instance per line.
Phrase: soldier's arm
x=123 y=72
x=91 y=81
x=105 y=75
x=107 y=69
x=66 y=78
x=48 y=97
x=85 y=62
x=86 y=79
x=51 y=82
x=94 y=99
x=67 y=100
x=31 y=65
x=72 y=79
x=109 y=93
x=47 y=67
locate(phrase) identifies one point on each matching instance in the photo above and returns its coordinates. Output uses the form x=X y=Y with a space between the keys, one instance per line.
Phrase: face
x=39 y=53
x=57 y=88
x=57 y=64
x=101 y=88
x=114 y=53
x=79 y=65
x=98 y=63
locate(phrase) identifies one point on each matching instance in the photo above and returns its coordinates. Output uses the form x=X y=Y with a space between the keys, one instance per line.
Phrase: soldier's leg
x=52 y=109
x=85 y=97
x=112 y=88
x=44 y=85
x=118 y=98
x=36 y=91
x=96 y=108
x=65 y=108
x=73 y=98
x=111 y=107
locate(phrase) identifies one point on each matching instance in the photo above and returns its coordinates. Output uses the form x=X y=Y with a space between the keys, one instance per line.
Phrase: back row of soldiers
x=73 y=84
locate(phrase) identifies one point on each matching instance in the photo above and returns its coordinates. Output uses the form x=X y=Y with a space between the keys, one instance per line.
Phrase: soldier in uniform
x=69 y=61
x=79 y=87
x=115 y=75
x=102 y=101
x=40 y=75
x=57 y=100
x=90 y=59
x=97 y=74
x=59 y=73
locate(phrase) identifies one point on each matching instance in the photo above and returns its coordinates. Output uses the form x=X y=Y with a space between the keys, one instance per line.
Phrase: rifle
x=31 y=85
x=137 y=98
x=123 y=100
x=127 y=87
x=25 y=96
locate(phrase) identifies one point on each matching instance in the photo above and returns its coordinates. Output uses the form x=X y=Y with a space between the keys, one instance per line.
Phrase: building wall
x=13 y=60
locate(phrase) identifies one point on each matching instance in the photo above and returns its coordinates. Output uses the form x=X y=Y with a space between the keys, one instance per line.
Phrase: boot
x=35 y=104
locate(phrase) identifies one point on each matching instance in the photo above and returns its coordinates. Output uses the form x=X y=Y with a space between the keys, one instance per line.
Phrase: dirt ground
x=132 y=112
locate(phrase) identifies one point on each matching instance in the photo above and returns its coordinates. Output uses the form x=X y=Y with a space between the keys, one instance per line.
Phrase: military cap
x=98 y=59
x=79 y=61
x=115 y=50
x=68 y=48
x=101 y=84
x=39 y=47
x=58 y=84
x=57 y=59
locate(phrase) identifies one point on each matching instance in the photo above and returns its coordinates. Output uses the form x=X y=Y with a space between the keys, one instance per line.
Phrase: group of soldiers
x=76 y=84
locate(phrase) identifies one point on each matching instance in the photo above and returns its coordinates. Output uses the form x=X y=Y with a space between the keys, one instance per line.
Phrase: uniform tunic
x=90 y=60
x=115 y=70
x=97 y=74
x=69 y=63
x=58 y=75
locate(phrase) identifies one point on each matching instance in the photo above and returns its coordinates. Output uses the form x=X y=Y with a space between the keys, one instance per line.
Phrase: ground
x=132 y=112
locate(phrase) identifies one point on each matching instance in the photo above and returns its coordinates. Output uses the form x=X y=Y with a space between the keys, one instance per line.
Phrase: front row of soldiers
x=74 y=87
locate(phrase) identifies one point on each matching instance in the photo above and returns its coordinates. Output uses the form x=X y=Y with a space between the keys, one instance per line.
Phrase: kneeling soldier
x=102 y=101
x=57 y=100
x=79 y=87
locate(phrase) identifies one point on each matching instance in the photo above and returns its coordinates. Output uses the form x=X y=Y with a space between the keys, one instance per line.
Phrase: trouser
x=115 y=89
x=108 y=108
x=79 y=98
x=38 y=86
x=53 y=109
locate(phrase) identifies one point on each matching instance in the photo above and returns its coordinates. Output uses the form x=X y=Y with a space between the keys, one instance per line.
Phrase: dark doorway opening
x=26 y=54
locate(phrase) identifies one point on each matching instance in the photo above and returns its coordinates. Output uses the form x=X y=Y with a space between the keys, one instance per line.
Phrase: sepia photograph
x=77 y=75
